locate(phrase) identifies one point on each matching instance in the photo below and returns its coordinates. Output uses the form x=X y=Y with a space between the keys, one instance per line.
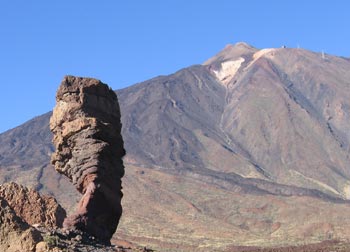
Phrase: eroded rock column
x=86 y=131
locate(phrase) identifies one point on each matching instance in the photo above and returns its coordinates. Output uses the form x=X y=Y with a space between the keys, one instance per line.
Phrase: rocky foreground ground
x=59 y=240
x=81 y=243
x=38 y=231
x=29 y=222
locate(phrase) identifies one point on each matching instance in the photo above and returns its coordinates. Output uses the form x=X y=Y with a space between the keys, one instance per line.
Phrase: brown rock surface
x=89 y=150
x=32 y=207
x=15 y=234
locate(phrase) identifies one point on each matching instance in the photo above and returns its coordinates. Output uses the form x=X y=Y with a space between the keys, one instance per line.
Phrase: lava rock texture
x=15 y=234
x=89 y=149
x=32 y=207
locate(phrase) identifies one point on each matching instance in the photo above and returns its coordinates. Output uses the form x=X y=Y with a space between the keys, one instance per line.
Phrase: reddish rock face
x=15 y=233
x=89 y=150
x=32 y=207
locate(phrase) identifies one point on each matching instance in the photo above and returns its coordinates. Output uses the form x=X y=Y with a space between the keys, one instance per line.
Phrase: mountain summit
x=259 y=114
x=249 y=148
x=232 y=52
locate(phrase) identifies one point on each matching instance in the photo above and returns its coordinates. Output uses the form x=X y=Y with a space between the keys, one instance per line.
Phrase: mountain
x=276 y=115
x=249 y=148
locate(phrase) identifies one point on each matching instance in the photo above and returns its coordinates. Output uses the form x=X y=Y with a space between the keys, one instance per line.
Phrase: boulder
x=15 y=234
x=33 y=207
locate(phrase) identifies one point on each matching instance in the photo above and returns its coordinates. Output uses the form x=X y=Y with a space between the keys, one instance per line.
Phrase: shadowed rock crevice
x=89 y=150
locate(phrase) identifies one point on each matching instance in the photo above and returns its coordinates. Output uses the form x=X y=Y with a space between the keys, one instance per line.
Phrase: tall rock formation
x=89 y=149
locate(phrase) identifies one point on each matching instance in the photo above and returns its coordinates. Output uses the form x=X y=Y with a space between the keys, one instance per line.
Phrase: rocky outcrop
x=32 y=207
x=15 y=234
x=89 y=149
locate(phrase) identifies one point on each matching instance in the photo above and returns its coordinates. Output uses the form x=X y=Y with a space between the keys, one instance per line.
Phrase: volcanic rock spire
x=89 y=149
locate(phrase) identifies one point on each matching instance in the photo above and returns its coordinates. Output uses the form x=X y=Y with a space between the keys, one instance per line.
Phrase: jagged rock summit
x=32 y=207
x=89 y=149
x=21 y=210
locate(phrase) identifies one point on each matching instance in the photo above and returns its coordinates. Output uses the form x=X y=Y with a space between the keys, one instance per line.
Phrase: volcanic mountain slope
x=278 y=115
x=214 y=149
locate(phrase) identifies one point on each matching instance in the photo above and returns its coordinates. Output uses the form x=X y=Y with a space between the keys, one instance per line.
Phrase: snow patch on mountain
x=228 y=70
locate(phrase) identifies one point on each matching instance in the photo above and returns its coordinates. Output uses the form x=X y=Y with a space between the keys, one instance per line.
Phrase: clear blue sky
x=123 y=42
